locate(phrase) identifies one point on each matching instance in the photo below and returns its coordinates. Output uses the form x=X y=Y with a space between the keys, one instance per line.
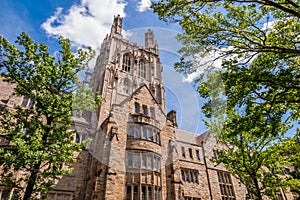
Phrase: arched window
x=142 y=69
x=126 y=62
x=125 y=86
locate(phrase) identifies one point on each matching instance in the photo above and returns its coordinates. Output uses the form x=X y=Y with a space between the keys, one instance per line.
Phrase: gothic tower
x=128 y=123
x=124 y=66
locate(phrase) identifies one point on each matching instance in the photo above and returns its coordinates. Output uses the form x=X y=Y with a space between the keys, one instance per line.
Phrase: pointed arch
x=127 y=62
x=125 y=85
x=142 y=68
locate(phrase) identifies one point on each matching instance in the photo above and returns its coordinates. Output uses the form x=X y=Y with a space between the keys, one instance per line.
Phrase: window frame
x=183 y=152
x=190 y=175
x=190 y=153
x=136 y=108
x=226 y=185
x=198 y=155
x=127 y=62
x=142 y=69
x=145 y=110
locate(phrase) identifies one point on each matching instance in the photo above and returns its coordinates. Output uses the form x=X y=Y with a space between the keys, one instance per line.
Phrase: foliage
x=40 y=139
x=257 y=98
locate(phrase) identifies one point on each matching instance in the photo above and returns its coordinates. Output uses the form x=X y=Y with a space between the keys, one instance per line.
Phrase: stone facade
x=137 y=151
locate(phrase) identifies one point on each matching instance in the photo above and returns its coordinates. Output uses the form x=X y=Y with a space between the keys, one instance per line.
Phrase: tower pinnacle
x=116 y=27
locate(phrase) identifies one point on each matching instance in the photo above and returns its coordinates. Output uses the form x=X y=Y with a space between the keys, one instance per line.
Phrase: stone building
x=137 y=151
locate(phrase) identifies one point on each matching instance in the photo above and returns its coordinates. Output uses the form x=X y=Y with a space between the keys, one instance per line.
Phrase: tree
x=254 y=97
x=40 y=136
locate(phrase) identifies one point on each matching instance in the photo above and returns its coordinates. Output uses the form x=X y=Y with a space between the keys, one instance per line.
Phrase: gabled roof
x=203 y=137
x=153 y=97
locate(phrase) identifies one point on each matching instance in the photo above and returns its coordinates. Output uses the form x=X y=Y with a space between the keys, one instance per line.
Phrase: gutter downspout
x=206 y=170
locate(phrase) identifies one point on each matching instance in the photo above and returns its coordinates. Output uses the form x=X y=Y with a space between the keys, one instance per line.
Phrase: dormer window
x=198 y=154
x=145 y=110
x=126 y=63
x=136 y=108
x=25 y=101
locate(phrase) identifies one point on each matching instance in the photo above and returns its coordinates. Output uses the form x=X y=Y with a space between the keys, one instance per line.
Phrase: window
x=126 y=85
x=144 y=160
x=126 y=63
x=195 y=174
x=131 y=131
x=150 y=133
x=135 y=192
x=144 y=136
x=136 y=108
x=25 y=101
x=189 y=175
x=146 y=132
x=5 y=194
x=158 y=163
x=128 y=193
x=137 y=133
x=215 y=154
x=136 y=158
x=287 y=171
x=158 y=138
x=149 y=161
x=149 y=193
x=146 y=192
x=145 y=111
x=80 y=138
x=183 y=176
x=198 y=154
x=186 y=174
x=154 y=136
x=226 y=186
x=77 y=138
x=31 y=103
x=191 y=153
x=142 y=69
x=183 y=152
x=192 y=198
x=192 y=177
x=152 y=112
x=129 y=160
x=143 y=192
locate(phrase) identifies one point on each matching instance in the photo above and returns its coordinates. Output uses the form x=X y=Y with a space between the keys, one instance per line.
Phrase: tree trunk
x=32 y=181
x=257 y=190
x=36 y=167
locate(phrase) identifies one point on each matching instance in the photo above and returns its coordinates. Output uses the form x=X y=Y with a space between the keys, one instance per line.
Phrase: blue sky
x=86 y=22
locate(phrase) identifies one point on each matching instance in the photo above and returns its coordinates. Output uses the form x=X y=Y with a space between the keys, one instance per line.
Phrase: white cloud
x=143 y=5
x=203 y=64
x=85 y=24
x=269 y=25
x=213 y=60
